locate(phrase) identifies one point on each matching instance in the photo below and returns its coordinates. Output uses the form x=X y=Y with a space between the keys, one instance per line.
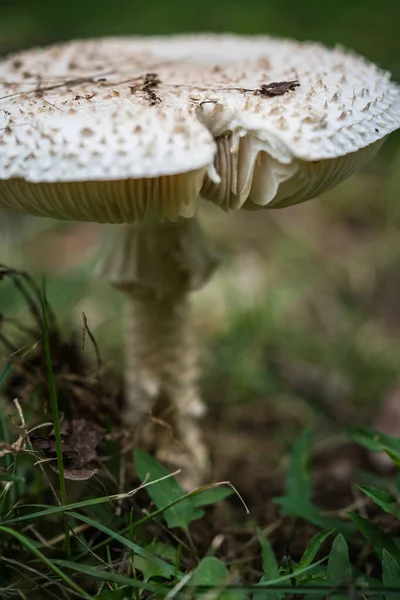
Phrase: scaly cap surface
x=112 y=130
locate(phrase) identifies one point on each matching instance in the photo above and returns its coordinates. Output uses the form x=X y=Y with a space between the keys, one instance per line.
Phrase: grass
x=160 y=564
x=55 y=416
x=150 y=542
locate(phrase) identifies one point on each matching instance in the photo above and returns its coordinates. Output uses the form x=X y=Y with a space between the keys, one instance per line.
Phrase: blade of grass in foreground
x=52 y=510
x=274 y=585
x=5 y=437
x=56 y=416
x=131 y=527
x=169 y=570
x=28 y=544
x=109 y=576
x=180 y=514
x=5 y=372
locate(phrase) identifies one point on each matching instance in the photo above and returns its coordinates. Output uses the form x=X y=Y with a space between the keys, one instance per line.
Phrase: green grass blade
x=5 y=372
x=52 y=510
x=180 y=514
x=277 y=581
x=211 y=496
x=313 y=548
x=375 y=441
x=5 y=437
x=269 y=562
x=119 y=594
x=212 y=572
x=56 y=416
x=390 y=570
x=28 y=544
x=298 y=478
x=270 y=568
x=101 y=574
x=156 y=513
x=382 y=499
x=378 y=539
x=169 y=570
x=339 y=567
x=339 y=570
x=298 y=487
x=11 y=477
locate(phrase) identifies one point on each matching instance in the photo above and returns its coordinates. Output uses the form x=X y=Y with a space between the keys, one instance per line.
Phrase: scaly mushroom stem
x=157 y=266
x=161 y=376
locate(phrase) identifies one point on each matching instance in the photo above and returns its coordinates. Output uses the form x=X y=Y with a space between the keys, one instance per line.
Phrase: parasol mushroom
x=135 y=130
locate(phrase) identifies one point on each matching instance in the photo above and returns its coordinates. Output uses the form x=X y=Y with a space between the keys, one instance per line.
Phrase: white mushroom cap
x=110 y=130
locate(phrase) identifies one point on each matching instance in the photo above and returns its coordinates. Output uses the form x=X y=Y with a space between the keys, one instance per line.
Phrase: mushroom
x=135 y=130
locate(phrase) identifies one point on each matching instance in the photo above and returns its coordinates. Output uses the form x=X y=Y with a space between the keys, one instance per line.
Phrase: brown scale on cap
x=149 y=84
x=277 y=88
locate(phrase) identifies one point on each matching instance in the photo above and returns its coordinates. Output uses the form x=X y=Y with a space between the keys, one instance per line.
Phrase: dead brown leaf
x=80 y=439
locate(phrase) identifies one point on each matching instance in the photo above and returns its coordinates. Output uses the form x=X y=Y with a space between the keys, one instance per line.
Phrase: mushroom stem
x=157 y=266
x=161 y=377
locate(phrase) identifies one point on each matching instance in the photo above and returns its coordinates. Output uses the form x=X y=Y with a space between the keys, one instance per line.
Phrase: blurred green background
x=303 y=318
x=368 y=26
